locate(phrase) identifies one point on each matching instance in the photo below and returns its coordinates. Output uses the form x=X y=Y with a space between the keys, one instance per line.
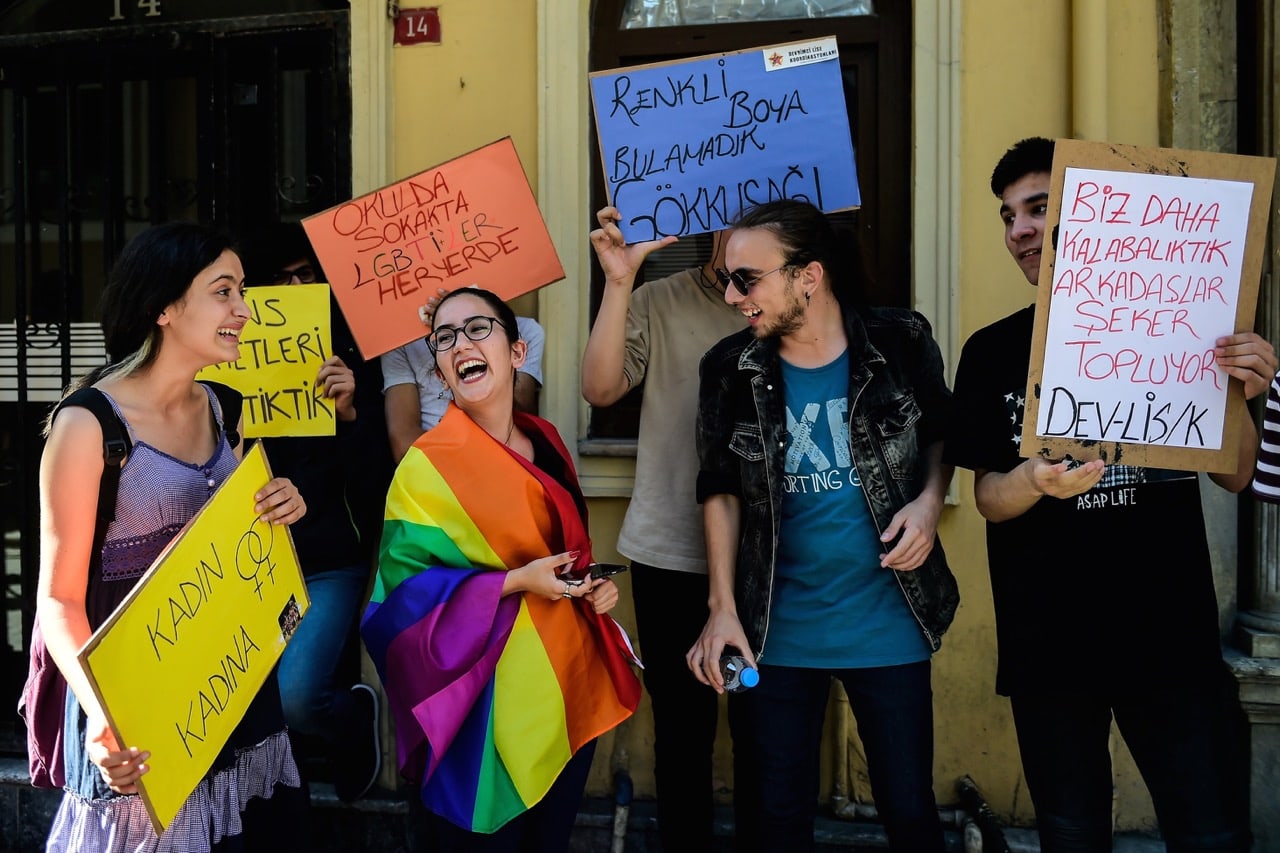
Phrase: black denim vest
x=898 y=405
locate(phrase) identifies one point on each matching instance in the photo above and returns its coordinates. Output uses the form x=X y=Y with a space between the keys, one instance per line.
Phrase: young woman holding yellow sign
x=173 y=305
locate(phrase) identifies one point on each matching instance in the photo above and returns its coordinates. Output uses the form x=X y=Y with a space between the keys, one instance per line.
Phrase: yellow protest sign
x=178 y=662
x=281 y=350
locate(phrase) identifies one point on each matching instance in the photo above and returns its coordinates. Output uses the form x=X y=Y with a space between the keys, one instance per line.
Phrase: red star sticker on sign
x=776 y=59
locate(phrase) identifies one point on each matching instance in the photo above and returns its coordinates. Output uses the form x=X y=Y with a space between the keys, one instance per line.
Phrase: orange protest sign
x=471 y=220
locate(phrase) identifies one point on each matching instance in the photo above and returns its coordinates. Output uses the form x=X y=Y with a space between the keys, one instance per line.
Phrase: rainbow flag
x=491 y=695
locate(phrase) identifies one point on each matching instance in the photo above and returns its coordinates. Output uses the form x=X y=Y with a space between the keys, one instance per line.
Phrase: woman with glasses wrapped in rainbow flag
x=500 y=664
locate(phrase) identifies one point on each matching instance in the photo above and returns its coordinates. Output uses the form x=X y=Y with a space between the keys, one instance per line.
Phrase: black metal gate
x=237 y=122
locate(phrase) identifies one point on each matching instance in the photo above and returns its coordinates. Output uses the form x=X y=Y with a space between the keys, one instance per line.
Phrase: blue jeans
x=671 y=610
x=1188 y=740
x=313 y=703
x=893 y=706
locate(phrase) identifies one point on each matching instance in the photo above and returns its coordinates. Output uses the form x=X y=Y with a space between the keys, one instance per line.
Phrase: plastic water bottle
x=738 y=674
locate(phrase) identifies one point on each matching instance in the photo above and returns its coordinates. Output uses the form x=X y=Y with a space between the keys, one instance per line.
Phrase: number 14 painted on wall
x=152 y=7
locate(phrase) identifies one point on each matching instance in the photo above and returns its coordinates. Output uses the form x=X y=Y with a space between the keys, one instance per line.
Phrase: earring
x=807 y=296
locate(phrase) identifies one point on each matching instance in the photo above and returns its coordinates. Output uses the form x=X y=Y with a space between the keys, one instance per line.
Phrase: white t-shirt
x=413 y=364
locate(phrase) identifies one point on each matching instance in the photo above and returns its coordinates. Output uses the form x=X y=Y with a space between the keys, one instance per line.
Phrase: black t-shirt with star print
x=1106 y=591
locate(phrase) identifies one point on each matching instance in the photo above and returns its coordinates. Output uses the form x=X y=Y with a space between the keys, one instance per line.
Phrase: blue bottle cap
x=749 y=677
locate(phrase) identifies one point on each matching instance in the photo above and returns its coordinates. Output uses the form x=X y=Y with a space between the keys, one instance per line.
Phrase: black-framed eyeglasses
x=474 y=328
x=740 y=282
x=305 y=274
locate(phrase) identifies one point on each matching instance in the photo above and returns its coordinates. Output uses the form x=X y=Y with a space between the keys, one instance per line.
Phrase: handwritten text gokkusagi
x=688 y=146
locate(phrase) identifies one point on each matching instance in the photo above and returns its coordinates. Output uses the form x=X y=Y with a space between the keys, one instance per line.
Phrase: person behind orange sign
x=344 y=478
x=173 y=305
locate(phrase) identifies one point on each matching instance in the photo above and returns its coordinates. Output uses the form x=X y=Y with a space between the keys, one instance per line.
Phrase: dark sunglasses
x=740 y=282
x=305 y=274
x=474 y=328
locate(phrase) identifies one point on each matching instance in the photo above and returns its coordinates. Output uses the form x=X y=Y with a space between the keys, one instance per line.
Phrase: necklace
x=506 y=441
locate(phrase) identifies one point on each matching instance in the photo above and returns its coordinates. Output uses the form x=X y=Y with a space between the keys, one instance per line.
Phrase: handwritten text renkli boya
x=745 y=120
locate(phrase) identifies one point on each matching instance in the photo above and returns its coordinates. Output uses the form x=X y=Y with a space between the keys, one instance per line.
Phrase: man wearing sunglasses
x=819 y=437
x=656 y=335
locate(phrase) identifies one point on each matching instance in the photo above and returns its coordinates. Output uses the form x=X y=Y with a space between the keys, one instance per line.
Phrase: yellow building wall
x=478 y=85
x=1046 y=68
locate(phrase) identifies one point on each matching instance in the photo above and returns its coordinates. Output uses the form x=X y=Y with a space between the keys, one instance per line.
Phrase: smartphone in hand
x=604 y=570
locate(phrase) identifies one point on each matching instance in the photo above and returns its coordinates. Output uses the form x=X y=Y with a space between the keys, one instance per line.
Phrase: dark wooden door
x=236 y=122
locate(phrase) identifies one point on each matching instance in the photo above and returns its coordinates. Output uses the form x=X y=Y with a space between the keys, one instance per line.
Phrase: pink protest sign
x=471 y=220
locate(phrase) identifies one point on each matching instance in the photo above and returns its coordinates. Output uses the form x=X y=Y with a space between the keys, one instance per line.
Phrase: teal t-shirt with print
x=834 y=606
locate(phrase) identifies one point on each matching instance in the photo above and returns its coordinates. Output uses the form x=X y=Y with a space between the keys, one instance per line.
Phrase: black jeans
x=671 y=610
x=1187 y=740
x=893 y=706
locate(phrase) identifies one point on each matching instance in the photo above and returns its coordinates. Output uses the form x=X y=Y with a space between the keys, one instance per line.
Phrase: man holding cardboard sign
x=1070 y=620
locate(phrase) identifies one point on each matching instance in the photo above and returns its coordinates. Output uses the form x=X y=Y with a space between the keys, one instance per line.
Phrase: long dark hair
x=807 y=235
x=154 y=270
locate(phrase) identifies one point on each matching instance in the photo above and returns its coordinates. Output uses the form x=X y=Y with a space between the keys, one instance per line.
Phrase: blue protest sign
x=688 y=145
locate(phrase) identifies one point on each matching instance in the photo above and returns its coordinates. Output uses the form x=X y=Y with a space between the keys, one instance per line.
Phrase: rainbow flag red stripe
x=491 y=695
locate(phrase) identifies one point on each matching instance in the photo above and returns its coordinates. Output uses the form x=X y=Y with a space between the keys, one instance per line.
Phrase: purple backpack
x=42 y=707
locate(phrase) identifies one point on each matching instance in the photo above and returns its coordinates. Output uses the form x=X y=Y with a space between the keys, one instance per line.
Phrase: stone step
x=388 y=822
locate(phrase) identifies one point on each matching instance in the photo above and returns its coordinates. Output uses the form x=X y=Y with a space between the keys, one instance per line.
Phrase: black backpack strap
x=115 y=449
x=44 y=694
x=230 y=401
x=116 y=443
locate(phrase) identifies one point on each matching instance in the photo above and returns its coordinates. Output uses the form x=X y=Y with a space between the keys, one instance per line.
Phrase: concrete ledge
x=1258 y=644
x=1259 y=681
